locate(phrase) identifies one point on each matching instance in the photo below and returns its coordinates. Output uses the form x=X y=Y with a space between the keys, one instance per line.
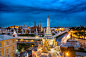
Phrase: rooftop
x=81 y=53
x=5 y=37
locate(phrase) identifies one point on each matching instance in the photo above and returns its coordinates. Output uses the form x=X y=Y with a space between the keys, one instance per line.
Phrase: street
x=25 y=53
x=60 y=38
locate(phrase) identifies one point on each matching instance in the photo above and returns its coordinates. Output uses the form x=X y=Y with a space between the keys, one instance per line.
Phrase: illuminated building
x=39 y=29
x=7 y=46
x=78 y=32
x=48 y=34
x=14 y=27
x=19 y=28
x=48 y=46
x=25 y=29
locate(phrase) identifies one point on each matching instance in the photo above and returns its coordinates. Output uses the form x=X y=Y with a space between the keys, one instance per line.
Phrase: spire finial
x=48 y=16
x=24 y=24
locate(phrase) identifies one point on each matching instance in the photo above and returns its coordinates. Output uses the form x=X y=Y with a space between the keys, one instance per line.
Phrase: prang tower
x=48 y=34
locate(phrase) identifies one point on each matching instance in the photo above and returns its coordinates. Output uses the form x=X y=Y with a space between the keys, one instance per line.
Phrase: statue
x=46 y=47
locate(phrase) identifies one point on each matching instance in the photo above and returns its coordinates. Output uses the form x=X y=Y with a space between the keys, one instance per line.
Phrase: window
x=13 y=47
x=13 y=41
x=13 y=53
x=8 y=56
x=7 y=50
x=0 y=44
x=7 y=43
x=0 y=53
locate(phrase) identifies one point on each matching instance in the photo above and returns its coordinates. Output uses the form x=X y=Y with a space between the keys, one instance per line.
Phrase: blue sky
x=61 y=12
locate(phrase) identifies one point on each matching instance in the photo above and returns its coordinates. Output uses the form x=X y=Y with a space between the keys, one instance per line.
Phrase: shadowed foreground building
x=7 y=46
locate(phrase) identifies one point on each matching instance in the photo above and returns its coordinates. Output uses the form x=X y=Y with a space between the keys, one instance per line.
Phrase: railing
x=59 y=33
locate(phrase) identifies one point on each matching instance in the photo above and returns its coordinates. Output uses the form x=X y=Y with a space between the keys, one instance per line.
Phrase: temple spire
x=36 y=32
x=38 y=25
x=35 y=24
x=48 y=30
x=41 y=27
x=48 y=34
x=48 y=23
x=24 y=24
x=48 y=16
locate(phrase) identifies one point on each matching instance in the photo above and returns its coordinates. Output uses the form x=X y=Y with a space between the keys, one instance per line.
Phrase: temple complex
x=48 y=46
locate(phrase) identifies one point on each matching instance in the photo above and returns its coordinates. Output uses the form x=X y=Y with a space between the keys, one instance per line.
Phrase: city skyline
x=61 y=12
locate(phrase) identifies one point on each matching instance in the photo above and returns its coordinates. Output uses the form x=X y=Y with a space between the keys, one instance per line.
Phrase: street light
x=67 y=54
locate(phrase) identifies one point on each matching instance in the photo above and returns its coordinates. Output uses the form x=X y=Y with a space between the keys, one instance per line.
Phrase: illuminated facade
x=7 y=46
x=14 y=27
x=48 y=46
x=78 y=32
x=60 y=29
x=48 y=34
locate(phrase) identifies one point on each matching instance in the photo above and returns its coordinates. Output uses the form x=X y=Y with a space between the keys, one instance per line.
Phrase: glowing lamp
x=16 y=40
x=67 y=54
x=31 y=40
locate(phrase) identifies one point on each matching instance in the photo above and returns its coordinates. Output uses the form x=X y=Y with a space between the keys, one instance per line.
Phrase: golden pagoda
x=41 y=27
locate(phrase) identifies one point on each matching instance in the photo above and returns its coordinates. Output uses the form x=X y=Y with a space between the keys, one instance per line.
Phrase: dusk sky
x=61 y=12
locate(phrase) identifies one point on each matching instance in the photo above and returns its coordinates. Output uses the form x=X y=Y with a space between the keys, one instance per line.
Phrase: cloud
x=64 y=6
x=61 y=12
